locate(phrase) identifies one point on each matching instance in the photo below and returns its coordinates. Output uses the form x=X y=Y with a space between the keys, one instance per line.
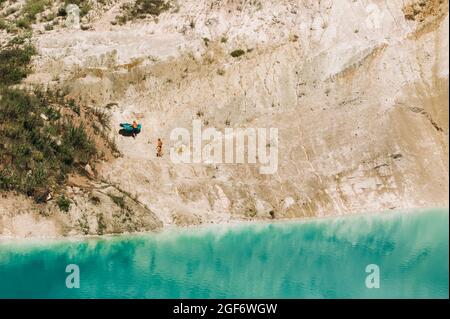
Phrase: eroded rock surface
x=357 y=89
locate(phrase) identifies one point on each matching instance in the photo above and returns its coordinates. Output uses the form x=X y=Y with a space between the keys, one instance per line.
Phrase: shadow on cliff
x=125 y=133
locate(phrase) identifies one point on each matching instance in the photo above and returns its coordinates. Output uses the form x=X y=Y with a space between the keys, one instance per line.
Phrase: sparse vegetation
x=237 y=53
x=118 y=200
x=14 y=62
x=74 y=106
x=142 y=9
x=7 y=26
x=29 y=12
x=62 y=12
x=23 y=23
x=63 y=203
x=103 y=117
x=101 y=224
x=152 y=7
x=38 y=145
x=33 y=8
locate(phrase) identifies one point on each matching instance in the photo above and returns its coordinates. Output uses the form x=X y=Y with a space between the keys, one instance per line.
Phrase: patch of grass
x=74 y=106
x=102 y=116
x=6 y=25
x=141 y=9
x=14 y=63
x=118 y=200
x=39 y=145
x=63 y=203
x=76 y=147
x=112 y=145
x=120 y=19
x=23 y=23
x=101 y=224
x=29 y=12
x=37 y=152
x=34 y=7
x=151 y=7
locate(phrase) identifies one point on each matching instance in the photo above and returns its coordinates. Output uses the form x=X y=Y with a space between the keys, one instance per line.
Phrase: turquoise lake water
x=323 y=258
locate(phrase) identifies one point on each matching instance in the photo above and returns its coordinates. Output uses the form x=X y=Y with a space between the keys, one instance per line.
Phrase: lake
x=320 y=258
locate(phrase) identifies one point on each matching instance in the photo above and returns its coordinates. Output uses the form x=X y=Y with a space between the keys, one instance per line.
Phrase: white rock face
x=357 y=91
x=73 y=16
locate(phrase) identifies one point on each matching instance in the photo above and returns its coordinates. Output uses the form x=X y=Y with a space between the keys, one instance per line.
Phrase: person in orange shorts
x=135 y=126
x=159 y=146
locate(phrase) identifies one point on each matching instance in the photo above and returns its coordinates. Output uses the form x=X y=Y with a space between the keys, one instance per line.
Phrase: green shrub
x=62 y=12
x=142 y=8
x=29 y=12
x=52 y=114
x=5 y=25
x=14 y=63
x=103 y=117
x=74 y=107
x=101 y=224
x=23 y=23
x=34 y=7
x=118 y=200
x=8 y=179
x=36 y=152
x=63 y=204
x=152 y=7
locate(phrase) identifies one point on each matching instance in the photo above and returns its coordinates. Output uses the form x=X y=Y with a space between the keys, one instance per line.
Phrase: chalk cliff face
x=358 y=91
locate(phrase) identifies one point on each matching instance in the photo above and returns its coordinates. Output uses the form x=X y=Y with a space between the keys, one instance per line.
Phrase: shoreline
x=231 y=223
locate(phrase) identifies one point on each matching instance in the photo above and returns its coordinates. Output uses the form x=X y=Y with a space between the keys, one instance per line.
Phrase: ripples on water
x=310 y=259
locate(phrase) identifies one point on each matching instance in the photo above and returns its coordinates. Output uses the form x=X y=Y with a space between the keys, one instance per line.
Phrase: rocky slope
x=357 y=89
